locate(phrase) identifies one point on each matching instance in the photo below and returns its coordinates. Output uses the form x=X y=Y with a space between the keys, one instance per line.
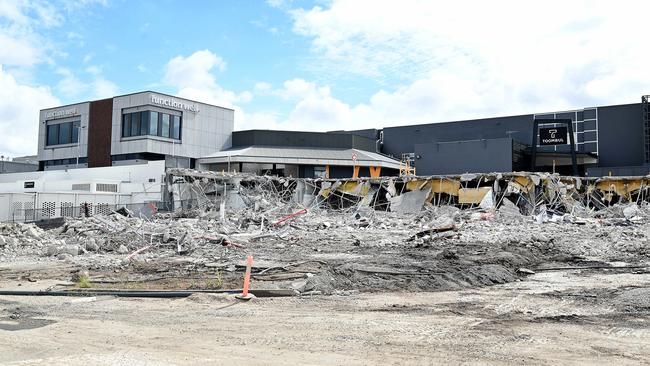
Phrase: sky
x=322 y=65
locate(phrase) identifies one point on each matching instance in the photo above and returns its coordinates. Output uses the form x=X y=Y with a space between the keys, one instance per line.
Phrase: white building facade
x=132 y=129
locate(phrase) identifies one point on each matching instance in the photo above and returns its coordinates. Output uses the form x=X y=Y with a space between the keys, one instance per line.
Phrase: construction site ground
x=527 y=276
x=595 y=316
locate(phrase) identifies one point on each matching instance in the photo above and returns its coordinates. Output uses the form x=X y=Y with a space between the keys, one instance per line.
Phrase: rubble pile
x=331 y=235
x=15 y=238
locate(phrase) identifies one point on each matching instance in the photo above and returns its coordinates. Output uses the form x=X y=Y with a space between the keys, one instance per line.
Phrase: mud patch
x=14 y=323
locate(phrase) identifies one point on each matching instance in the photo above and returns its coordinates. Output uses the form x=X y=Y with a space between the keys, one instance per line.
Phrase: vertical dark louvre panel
x=99 y=133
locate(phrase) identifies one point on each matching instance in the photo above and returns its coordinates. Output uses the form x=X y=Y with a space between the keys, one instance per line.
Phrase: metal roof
x=298 y=155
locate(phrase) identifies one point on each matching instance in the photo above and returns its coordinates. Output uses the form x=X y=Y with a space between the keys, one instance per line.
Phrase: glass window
x=165 y=125
x=144 y=123
x=52 y=134
x=64 y=133
x=153 y=123
x=135 y=124
x=126 y=125
x=176 y=127
x=75 y=131
x=320 y=172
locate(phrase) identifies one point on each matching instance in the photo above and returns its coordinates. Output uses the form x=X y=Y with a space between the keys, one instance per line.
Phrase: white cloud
x=499 y=58
x=24 y=43
x=71 y=86
x=21 y=43
x=102 y=88
x=278 y=3
x=193 y=78
x=19 y=106
x=194 y=71
x=15 y=51
x=262 y=86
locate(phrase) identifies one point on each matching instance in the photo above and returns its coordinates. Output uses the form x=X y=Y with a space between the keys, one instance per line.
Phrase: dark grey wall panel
x=369 y=133
x=619 y=171
x=341 y=171
x=620 y=135
x=398 y=140
x=301 y=139
x=478 y=156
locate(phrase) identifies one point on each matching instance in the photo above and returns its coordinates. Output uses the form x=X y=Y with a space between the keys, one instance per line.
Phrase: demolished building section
x=531 y=193
x=361 y=234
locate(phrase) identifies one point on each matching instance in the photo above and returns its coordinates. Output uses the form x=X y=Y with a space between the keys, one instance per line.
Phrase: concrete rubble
x=340 y=235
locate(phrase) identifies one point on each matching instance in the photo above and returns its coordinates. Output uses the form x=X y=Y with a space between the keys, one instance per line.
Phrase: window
x=72 y=161
x=65 y=130
x=320 y=172
x=126 y=125
x=153 y=123
x=144 y=123
x=165 y=125
x=75 y=131
x=52 y=134
x=135 y=124
x=176 y=127
x=62 y=133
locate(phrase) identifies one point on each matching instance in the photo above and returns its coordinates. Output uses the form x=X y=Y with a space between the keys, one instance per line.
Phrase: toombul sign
x=553 y=136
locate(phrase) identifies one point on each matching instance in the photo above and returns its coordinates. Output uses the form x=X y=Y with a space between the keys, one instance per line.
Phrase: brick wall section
x=99 y=133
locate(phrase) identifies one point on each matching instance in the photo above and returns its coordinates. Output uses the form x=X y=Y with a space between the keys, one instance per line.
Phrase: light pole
x=79 y=128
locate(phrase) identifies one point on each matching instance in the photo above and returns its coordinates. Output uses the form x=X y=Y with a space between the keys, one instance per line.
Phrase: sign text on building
x=169 y=102
x=553 y=136
x=61 y=113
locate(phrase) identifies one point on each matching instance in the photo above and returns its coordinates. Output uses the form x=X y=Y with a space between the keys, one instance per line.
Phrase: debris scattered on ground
x=420 y=233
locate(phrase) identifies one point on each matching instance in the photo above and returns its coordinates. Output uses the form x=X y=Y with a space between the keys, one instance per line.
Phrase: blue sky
x=321 y=65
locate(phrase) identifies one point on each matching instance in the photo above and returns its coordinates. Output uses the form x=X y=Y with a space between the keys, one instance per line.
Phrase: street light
x=79 y=128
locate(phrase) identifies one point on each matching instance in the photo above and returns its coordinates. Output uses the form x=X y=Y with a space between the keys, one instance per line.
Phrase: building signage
x=61 y=113
x=169 y=102
x=553 y=136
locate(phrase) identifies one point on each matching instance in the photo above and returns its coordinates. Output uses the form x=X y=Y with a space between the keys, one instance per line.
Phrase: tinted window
x=135 y=124
x=144 y=123
x=165 y=125
x=153 y=123
x=75 y=131
x=52 y=134
x=126 y=125
x=176 y=127
x=65 y=133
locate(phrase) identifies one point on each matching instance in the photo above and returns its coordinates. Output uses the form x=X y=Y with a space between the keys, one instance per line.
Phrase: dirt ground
x=442 y=287
x=596 y=316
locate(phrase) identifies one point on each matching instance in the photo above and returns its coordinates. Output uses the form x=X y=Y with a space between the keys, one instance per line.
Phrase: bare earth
x=552 y=317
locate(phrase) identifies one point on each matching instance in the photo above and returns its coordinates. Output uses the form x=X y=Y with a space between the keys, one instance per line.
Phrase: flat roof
x=301 y=155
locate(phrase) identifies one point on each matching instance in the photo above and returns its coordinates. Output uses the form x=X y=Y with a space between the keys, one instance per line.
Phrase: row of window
x=72 y=161
x=151 y=123
x=63 y=133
